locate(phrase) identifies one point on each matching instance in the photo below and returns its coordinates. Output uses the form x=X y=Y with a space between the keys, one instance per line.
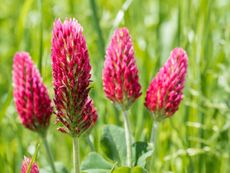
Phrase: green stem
x=128 y=139
x=120 y=15
x=154 y=134
x=71 y=7
x=40 y=4
x=76 y=155
x=158 y=38
x=48 y=152
x=153 y=141
x=97 y=27
x=179 y=23
x=92 y=148
x=185 y=146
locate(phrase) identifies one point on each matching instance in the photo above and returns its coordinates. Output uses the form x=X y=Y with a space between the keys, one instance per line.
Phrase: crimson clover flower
x=165 y=91
x=120 y=73
x=30 y=94
x=71 y=78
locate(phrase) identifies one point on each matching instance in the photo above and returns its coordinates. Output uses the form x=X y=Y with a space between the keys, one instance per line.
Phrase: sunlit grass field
x=196 y=139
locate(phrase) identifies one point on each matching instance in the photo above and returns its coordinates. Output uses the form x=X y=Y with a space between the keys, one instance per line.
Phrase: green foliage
x=114 y=147
x=94 y=163
x=140 y=148
x=113 y=143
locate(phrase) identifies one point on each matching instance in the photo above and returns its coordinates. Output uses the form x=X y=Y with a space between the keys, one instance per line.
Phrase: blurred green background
x=197 y=138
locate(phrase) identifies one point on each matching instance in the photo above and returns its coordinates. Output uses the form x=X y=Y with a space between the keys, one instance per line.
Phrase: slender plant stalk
x=185 y=146
x=71 y=7
x=92 y=148
x=153 y=142
x=179 y=23
x=96 y=20
x=154 y=134
x=33 y=159
x=76 y=156
x=40 y=4
x=158 y=38
x=128 y=139
x=120 y=15
x=50 y=157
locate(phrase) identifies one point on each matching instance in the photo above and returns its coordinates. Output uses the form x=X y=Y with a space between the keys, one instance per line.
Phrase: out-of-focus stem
x=120 y=15
x=97 y=26
x=128 y=139
x=153 y=142
x=185 y=146
x=50 y=157
x=154 y=134
x=71 y=6
x=179 y=24
x=90 y=143
x=158 y=38
x=76 y=155
x=40 y=5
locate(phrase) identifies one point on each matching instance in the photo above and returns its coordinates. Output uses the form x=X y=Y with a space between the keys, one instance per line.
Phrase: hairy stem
x=50 y=157
x=185 y=146
x=128 y=139
x=40 y=6
x=96 y=21
x=154 y=134
x=153 y=142
x=76 y=155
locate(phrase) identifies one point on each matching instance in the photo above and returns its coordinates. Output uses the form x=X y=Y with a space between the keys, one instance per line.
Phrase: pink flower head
x=71 y=73
x=166 y=89
x=30 y=94
x=25 y=165
x=120 y=74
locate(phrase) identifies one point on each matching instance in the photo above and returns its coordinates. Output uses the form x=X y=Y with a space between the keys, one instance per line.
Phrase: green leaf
x=113 y=143
x=142 y=152
x=95 y=163
x=143 y=158
x=139 y=148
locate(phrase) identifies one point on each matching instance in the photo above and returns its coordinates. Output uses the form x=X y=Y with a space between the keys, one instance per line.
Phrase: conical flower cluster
x=25 y=165
x=71 y=77
x=166 y=89
x=30 y=94
x=120 y=74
